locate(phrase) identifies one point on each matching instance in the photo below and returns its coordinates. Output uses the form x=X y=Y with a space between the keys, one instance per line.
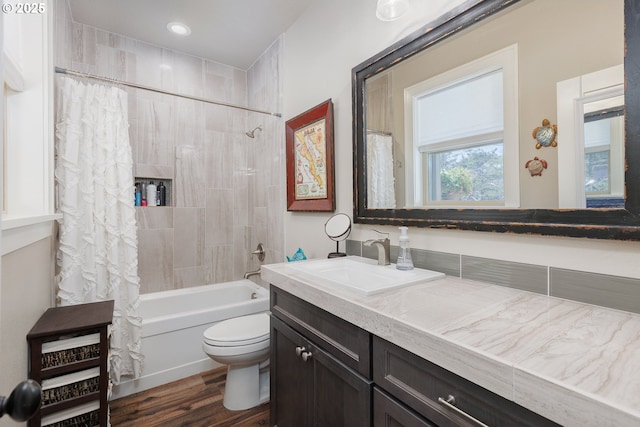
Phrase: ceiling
x=232 y=32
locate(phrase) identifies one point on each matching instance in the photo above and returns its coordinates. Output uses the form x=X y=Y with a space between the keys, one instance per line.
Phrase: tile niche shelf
x=68 y=356
x=168 y=183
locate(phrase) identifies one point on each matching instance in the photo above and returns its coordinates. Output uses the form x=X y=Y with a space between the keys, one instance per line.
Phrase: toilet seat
x=239 y=331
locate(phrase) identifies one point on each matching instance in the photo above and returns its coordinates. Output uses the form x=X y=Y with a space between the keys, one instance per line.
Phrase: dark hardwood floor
x=194 y=402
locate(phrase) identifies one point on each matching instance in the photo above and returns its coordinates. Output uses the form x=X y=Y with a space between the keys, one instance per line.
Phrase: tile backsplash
x=621 y=293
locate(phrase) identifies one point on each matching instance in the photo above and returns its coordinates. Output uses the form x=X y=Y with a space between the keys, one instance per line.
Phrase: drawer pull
x=450 y=403
x=299 y=350
x=306 y=355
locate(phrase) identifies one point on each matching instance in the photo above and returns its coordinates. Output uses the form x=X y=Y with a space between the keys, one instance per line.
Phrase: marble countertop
x=576 y=364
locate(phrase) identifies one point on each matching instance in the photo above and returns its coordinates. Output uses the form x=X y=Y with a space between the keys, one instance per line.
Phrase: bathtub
x=172 y=326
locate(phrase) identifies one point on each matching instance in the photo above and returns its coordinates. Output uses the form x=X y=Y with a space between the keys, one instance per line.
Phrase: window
x=463 y=128
x=603 y=134
x=27 y=167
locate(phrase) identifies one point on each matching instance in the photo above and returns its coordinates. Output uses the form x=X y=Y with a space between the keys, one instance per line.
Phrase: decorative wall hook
x=546 y=134
x=536 y=166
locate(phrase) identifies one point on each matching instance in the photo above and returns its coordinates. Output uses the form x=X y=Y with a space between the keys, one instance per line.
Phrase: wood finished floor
x=194 y=402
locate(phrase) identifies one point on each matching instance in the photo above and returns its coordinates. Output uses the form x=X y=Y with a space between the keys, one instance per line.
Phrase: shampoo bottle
x=151 y=194
x=404 y=253
x=138 y=195
x=162 y=194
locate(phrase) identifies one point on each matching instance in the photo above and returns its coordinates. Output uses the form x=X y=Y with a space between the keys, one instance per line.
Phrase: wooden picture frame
x=310 y=160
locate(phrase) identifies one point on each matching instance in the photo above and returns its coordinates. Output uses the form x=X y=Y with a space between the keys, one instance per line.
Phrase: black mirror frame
x=603 y=223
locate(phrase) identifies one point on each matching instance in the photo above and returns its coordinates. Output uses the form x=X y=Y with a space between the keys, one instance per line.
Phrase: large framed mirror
x=414 y=128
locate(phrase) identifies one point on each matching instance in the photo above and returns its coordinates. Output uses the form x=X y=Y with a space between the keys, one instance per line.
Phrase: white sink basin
x=363 y=275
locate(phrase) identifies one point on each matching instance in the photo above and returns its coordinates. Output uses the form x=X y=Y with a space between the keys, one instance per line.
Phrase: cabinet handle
x=299 y=350
x=306 y=355
x=450 y=403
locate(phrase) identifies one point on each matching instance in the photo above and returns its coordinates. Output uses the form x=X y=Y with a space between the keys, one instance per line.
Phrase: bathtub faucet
x=251 y=273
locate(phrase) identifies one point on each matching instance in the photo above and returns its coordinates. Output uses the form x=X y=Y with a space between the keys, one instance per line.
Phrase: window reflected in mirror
x=458 y=135
x=591 y=127
x=604 y=157
x=461 y=126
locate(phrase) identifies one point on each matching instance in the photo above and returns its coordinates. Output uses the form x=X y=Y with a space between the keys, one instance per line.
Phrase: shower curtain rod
x=137 y=86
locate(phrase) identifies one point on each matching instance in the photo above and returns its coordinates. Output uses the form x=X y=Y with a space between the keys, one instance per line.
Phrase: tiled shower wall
x=226 y=186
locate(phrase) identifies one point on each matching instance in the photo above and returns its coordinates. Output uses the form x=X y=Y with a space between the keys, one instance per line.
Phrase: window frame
x=505 y=59
x=28 y=132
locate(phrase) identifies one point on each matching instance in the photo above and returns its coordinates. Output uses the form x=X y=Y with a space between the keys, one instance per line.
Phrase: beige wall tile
x=218 y=168
x=219 y=217
x=155 y=260
x=188 y=237
x=190 y=190
x=219 y=260
x=149 y=218
x=188 y=277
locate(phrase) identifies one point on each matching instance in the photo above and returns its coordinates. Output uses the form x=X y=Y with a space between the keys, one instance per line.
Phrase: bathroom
x=223 y=210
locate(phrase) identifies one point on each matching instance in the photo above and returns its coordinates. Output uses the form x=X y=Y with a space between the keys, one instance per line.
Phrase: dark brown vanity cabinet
x=320 y=367
x=327 y=372
x=437 y=395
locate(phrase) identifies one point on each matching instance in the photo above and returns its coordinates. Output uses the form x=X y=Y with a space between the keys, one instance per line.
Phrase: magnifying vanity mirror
x=338 y=228
x=443 y=121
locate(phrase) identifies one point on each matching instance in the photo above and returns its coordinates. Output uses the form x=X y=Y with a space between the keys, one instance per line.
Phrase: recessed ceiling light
x=179 y=28
x=390 y=10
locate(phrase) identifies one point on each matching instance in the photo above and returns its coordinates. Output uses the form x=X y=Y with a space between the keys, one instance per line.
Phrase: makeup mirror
x=338 y=228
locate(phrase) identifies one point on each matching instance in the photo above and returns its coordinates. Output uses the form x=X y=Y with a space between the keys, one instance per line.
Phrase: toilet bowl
x=242 y=343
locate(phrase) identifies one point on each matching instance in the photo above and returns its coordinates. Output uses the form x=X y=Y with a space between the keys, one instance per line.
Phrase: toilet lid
x=237 y=331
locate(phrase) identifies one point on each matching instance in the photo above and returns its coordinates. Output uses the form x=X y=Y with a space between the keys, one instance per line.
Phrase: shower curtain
x=380 y=181
x=98 y=256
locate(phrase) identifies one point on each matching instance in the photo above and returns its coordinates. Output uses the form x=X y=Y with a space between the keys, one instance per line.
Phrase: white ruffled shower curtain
x=380 y=181
x=98 y=254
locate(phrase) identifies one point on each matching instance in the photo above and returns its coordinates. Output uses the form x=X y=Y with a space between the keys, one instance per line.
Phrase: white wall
x=26 y=280
x=321 y=48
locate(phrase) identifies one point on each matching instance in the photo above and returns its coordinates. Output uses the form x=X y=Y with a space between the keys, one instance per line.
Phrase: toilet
x=242 y=343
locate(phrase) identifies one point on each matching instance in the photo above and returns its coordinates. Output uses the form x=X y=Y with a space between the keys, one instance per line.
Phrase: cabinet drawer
x=71 y=350
x=388 y=412
x=423 y=386
x=82 y=415
x=70 y=386
x=347 y=342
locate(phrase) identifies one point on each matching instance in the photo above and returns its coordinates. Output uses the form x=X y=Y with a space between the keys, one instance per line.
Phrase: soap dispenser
x=404 y=253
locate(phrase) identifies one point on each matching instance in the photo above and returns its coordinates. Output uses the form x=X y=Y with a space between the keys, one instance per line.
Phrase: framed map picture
x=310 y=175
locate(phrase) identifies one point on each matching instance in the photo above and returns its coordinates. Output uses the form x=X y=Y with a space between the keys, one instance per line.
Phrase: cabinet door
x=345 y=341
x=387 y=412
x=290 y=378
x=340 y=396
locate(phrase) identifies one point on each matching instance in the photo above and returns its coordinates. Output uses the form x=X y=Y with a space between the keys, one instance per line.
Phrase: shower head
x=251 y=133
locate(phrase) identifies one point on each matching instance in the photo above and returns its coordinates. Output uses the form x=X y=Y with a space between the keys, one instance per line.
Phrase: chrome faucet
x=384 y=248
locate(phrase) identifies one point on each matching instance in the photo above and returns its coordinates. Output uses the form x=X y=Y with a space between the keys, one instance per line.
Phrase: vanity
x=446 y=352
x=450 y=351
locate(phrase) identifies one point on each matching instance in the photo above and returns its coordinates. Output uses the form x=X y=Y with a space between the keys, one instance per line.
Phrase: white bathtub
x=173 y=324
